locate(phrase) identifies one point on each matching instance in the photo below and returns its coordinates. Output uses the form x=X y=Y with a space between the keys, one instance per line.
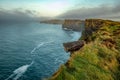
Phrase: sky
x=73 y=9
x=47 y=8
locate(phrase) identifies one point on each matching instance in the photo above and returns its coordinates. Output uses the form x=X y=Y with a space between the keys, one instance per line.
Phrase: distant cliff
x=99 y=58
x=54 y=21
x=75 y=25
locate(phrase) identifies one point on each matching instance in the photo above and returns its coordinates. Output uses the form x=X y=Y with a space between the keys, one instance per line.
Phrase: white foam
x=40 y=45
x=17 y=73
x=10 y=76
x=76 y=36
x=56 y=60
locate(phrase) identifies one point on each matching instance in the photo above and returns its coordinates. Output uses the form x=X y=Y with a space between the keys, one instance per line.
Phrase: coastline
x=98 y=58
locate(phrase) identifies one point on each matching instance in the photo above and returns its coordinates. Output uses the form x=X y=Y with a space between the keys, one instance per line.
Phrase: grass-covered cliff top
x=99 y=58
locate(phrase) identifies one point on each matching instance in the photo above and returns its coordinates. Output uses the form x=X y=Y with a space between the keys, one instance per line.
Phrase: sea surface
x=32 y=51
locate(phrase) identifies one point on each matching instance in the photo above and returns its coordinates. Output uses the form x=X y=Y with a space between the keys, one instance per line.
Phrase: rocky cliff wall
x=75 y=25
x=99 y=58
x=55 y=21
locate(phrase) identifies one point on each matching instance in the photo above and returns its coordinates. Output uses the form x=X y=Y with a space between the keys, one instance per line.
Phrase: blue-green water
x=32 y=51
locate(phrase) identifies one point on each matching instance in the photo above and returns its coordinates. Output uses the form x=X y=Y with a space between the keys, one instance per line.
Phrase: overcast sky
x=75 y=9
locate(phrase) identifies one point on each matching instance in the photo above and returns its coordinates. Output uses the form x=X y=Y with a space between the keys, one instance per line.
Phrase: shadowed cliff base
x=99 y=58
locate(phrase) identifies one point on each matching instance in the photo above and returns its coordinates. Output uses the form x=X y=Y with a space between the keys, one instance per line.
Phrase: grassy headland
x=99 y=58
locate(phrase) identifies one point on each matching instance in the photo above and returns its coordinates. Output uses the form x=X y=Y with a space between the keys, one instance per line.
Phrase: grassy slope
x=98 y=59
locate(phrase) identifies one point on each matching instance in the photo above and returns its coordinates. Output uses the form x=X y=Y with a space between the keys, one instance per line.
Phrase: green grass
x=97 y=60
x=89 y=64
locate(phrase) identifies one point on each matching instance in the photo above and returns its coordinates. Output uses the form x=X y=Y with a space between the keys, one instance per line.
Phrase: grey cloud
x=104 y=11
x=32 y=12
x=17 y=15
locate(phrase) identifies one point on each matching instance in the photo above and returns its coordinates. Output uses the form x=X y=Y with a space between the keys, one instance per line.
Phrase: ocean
x=32 y=51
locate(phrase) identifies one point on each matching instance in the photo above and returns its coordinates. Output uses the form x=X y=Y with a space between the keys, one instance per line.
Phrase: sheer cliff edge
x=98 y=58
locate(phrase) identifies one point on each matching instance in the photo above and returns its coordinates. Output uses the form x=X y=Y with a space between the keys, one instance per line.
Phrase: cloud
x=18 y=15
x=105 y=11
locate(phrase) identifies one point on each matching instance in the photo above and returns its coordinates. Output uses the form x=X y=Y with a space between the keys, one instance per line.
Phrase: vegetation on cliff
x=99 y=58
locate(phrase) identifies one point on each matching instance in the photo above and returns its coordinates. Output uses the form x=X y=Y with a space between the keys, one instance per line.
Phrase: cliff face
x=92 y=25
x=53 y=21
x=99 y=58
x=73 y=46
x=75 y=25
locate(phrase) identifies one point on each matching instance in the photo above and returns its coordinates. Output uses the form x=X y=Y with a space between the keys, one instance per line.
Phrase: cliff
x=55 y=21
x=99 y=58
x=73 y=46
x=75 y=25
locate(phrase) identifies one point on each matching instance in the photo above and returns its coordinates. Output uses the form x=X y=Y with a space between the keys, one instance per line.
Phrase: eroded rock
x=75 y=25
x=73 y=46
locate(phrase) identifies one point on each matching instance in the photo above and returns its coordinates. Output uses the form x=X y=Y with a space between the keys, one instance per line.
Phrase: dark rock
x=75 y=25
x=73 y=46
x=92 y=25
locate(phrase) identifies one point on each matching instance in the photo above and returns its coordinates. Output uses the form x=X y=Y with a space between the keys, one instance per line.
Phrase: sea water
x=32 y=51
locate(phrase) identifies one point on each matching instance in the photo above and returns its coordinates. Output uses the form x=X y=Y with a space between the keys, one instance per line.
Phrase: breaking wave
x=17 y=73
x=76 y=36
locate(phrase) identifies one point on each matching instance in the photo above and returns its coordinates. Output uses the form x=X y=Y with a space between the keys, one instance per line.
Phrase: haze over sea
x=32 y=51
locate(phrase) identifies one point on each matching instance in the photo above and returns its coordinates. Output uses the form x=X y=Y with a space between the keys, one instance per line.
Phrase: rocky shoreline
x=67 y=24
x=98 y=58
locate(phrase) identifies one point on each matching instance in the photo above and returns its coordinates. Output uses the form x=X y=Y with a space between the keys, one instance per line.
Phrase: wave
x=76 y=36
x=40 y=45
x=57 y=60
x=17 y=73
